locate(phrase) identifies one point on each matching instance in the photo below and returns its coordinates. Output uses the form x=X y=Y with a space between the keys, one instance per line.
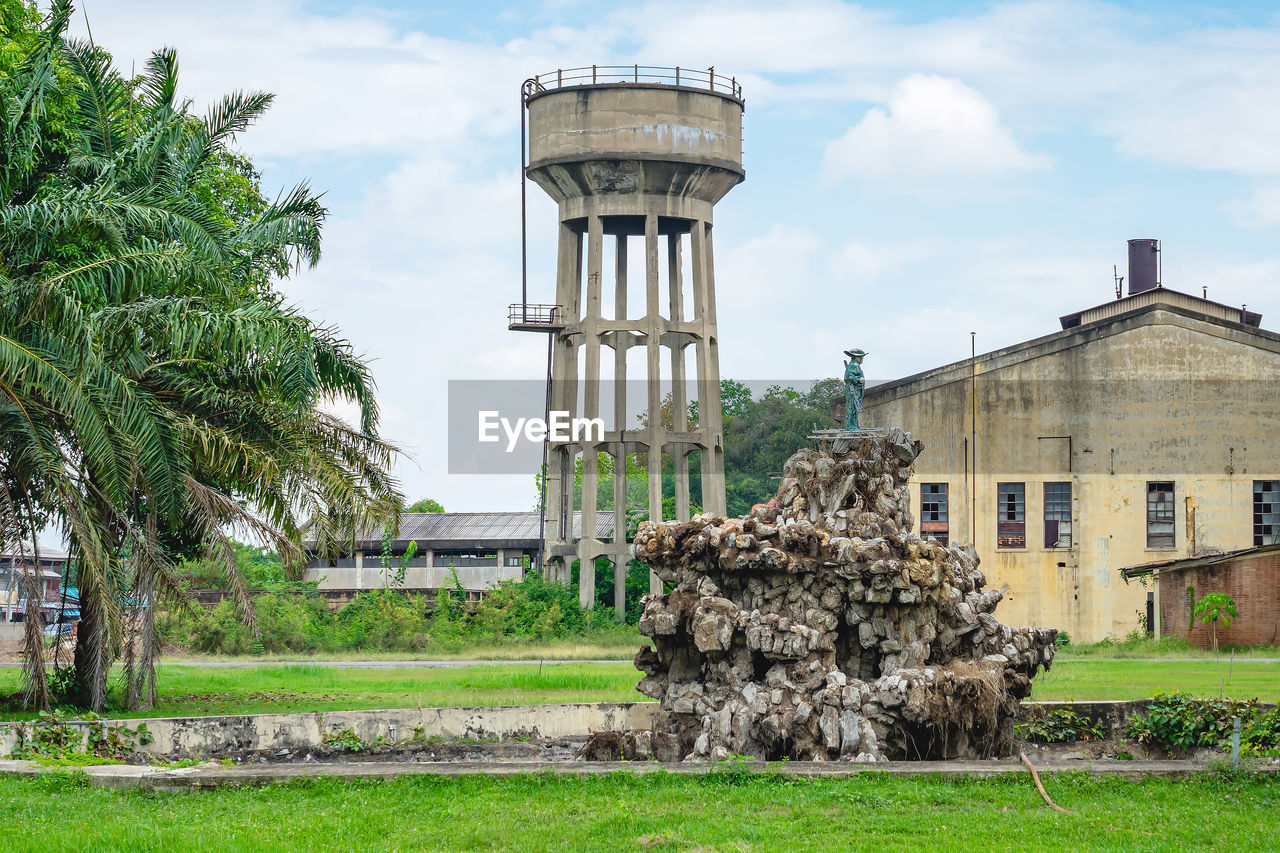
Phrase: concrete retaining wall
x=1112 y=713
x=188 y=736
x=205 y=736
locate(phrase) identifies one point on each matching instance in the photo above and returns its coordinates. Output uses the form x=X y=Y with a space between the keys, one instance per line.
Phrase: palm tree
x=171 y=394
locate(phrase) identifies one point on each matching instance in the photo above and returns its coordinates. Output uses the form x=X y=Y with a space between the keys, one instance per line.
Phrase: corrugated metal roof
x=1162 y=296
x=483 y=526
x=463 y=529
x=1179 y=563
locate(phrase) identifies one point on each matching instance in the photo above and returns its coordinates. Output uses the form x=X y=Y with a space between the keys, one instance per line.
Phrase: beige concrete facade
x=633 y=167
x=1156 y=393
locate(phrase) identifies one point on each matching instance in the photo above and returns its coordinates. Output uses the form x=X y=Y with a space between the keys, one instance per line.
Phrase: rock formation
x=820 y=627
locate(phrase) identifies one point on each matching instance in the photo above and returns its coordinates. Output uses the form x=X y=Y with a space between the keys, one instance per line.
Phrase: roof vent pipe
x=1144 y=266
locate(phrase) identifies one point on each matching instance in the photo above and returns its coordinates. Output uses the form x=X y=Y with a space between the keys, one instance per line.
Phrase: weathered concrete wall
x=213 y=735
x=1154 y=396
x=635 y=122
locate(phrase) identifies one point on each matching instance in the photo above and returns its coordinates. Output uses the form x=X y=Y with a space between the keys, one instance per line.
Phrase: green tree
x=157 y=392
x=425 y=505
x=1215 y=608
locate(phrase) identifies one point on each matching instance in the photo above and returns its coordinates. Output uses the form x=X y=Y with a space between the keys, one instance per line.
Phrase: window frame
x=1261 y=513
x=1011 y=533
x=1156 y=541
x=941 y=527
x=1057 y=507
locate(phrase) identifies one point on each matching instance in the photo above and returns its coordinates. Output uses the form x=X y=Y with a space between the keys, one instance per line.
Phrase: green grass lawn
x=614 y=645
x=294 y=688
x=1130 y=679
x=649 y=812
x=1169 y=647
x=291 y=688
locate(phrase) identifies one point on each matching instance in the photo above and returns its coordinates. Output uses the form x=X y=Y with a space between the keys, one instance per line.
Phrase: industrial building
x=1143 y=430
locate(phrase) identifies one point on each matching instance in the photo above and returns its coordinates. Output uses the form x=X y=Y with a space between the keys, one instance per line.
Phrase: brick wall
x=1252 y=581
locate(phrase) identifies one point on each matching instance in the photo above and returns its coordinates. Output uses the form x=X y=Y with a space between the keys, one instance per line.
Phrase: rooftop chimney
x=1144 y=267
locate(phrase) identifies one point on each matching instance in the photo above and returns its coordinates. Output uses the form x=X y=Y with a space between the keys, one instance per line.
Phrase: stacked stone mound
x=821 y=627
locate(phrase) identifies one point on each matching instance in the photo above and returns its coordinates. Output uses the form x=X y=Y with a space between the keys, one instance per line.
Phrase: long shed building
x=482 y=547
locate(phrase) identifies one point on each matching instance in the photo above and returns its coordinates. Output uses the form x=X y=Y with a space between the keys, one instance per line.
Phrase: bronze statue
x=854 y=384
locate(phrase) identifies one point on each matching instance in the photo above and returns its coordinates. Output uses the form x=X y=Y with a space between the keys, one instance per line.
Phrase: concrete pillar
x=589 y=544
x=1155 y=583
x=653 y=350
x=564 y=396
x=679 y=397
x=711 y=428
x=359 y=570
x=621 y=342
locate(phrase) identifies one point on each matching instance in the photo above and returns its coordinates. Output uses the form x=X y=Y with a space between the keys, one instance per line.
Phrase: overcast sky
x=911 y=176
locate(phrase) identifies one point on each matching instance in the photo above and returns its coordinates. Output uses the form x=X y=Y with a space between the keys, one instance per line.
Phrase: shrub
x=1061 y=725
x=392 y=621
x=1178 y=721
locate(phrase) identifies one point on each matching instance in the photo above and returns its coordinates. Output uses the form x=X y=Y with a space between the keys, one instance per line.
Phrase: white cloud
x=1260 y=210
x=760 y=270
x=933 y=128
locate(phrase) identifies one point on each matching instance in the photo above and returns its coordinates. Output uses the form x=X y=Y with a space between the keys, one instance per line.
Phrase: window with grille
x=465 y=559
x=1057 y=515
x=1160 y=533
x=1266 y=512
x=1011 y=515
x=933 y=511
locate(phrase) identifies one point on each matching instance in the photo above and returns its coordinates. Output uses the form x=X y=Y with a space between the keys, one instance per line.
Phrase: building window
x=1057 y=515
x=1160 y=515
x=933 y=511
x=465 y=559
x=1011 y=516
x=1266 y=512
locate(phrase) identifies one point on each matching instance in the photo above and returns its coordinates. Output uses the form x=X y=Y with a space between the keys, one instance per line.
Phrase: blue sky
x=913 y=173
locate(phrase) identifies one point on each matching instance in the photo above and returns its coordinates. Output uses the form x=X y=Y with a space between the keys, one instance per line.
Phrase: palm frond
x=160 y=80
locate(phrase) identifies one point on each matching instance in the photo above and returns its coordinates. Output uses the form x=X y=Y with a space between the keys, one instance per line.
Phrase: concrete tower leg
x=621 y=342
x=679 y=394
x=707 y=349
x=655 y=435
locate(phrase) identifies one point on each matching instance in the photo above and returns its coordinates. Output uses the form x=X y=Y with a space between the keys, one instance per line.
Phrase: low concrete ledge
x=194 y=736
x=203 y=736
x=1111 y=713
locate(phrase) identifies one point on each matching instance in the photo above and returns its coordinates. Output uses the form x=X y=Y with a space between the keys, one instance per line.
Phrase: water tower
x=635 y=157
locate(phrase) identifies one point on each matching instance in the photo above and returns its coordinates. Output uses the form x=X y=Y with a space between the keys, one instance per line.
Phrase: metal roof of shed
x=477 y=530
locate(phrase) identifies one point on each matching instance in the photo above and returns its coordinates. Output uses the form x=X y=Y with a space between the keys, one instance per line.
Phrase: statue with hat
x=854 y=384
